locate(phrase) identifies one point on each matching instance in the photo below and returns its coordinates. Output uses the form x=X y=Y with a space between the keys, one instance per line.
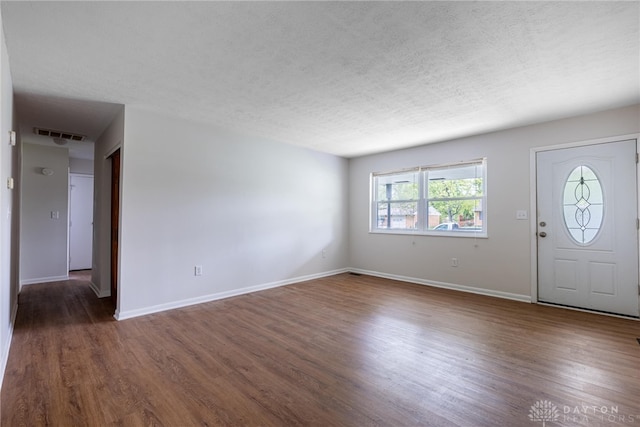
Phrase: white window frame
x=424 y=199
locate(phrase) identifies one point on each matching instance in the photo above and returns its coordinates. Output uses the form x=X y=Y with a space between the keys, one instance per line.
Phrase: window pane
x=455 y=215
x=589 y=234
x=403 y=215
x=588 y=174
x=575 y=175
x=459 y=181
x=595 y=192
x=397 y=187
x=440 y=189
x=570 y=217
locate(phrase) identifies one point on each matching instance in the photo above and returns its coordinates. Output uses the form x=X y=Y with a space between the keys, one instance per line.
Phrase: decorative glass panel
x=583 y=204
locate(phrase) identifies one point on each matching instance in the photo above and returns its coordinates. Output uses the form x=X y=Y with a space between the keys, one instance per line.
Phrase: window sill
x=463 y=234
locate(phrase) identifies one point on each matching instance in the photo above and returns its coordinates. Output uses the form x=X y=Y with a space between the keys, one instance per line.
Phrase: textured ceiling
x=348 y=78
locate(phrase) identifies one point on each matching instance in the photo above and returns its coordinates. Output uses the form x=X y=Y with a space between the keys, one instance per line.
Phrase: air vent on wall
x=59 y=134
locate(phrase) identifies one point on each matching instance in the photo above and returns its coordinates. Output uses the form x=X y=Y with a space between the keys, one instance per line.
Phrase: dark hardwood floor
x=340 y=351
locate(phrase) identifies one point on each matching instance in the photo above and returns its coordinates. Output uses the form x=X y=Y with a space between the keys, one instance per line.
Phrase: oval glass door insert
x=583 y=205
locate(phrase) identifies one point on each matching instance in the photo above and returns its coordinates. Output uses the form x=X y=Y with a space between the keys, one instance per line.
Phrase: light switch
x=55 y=214
x=522 y=214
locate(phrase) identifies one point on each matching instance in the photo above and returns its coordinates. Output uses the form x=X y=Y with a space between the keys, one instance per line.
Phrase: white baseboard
x=99 y=293
x=7 y=344
x=43 y=280
x=127 y=314
x=452 y=286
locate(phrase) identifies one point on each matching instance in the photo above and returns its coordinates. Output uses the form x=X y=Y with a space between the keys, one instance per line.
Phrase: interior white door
x=80 y=222
x=587 y=231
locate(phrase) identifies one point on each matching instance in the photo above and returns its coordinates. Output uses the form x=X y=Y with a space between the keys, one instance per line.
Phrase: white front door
x=586 y=224
x=80 y=222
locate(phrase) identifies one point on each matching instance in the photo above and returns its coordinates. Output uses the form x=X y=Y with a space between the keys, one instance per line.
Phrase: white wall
x=83 y=166
x=108 y=142
x=43 y=239
x=500 y=264
x=252 y=212
x=9 y=212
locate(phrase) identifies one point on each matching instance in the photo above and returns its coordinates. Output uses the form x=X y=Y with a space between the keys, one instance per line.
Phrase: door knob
x=542 y=234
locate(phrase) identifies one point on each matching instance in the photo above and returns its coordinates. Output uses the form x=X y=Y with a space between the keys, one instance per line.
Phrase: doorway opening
x=80 y=221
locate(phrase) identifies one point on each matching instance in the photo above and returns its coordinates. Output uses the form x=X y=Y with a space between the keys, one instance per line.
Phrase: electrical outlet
x=454 y=262
x=197 y=270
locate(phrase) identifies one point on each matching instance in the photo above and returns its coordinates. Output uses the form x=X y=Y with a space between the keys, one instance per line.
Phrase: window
x=397 y=198
x=437 y=200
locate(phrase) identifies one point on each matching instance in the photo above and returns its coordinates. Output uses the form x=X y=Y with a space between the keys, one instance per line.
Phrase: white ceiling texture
x=348 y=78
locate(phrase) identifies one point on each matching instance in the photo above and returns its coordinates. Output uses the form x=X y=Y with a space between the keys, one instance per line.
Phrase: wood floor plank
x=340 y=351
